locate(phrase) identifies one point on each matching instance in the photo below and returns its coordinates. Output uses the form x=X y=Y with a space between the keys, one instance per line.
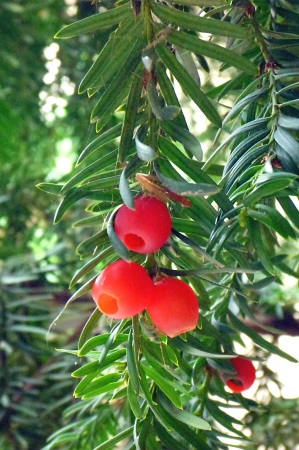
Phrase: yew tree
x=231 y=190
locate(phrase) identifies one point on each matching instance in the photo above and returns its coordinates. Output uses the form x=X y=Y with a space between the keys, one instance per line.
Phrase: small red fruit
x=173 y=308
x=146 y=228
x=122 y=289
x=245 y=375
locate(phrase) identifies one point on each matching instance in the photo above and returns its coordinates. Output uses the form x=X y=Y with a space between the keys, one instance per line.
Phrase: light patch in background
x=64 y=161
x=72 y=8
x=288 y=372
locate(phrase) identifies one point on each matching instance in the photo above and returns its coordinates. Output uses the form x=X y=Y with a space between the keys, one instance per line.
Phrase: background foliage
x=139 y=388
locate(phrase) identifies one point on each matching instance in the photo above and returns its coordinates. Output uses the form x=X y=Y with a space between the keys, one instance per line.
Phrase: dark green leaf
x=290 y=210
x=101 y=381
x=108 y=252
x=223 y=418
x=180 y=134
x=102 y=390
x=257 y=339
x=288 y=122
x=114 y=55
x=88 y=328
x=256 y=238
x=194 y=347
x=192 y=169
x=245 y=101
x=115 y=93
x=167 y=437
x=185 y=188
x=162 y=113
x=50 y=188
x=268 y=189
x=89 y=245
x=183 y=416
x=118 y=246
x=273 y=219
x=97 y=166
x=96 y=367
x=257 y=124
x=193 y=22
x=188 y=84
x=168 y=92
x=97 y=341
x=211 y=50
x=164 y=385
x=112 y=443
x=100 y=141
x=95 y=22
x=133 y=399
x=288 y=143
x=130 y=117
x=132 y=364
x=124 y=187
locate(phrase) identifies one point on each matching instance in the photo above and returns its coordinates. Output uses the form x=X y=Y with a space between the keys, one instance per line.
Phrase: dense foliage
x=232 y=207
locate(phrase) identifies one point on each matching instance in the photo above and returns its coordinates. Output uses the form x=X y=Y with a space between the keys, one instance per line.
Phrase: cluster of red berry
x=124 y=288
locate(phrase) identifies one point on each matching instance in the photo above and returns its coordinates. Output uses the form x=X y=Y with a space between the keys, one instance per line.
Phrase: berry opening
x=235 y=385
x=245 y=375
x=108 y=304
x=132 y=240
x=146 y=228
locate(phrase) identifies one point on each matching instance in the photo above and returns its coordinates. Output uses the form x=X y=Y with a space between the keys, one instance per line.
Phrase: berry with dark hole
x=173 y=308
x=122 y=290
x=146 y=228
x=245 y=375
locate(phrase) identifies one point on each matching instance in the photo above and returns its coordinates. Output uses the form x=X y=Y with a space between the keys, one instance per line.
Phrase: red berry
x=245 y=375
x=146 y=228
x=173 y=308
x=122 y=289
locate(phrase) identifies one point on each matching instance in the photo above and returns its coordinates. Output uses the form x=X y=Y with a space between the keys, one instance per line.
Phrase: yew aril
x=145 y=228
x=122 y=289
x=245 y=375
x=173 y=308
